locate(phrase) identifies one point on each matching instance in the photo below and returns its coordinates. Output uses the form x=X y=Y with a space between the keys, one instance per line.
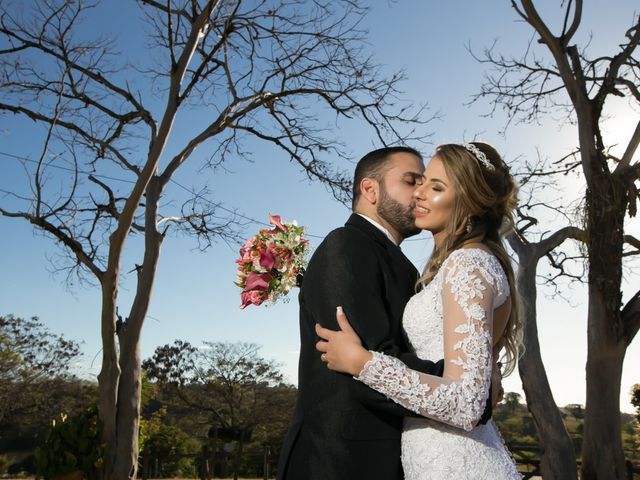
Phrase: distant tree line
x=518 y=428
x=225 y=395
x=35 y=385
x=219 y=409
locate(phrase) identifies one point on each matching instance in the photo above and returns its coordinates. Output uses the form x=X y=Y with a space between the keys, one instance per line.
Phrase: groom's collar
x=379 y=227
x=367 y=226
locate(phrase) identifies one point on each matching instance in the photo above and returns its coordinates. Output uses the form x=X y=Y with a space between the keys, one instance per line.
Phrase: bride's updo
x=486 y=195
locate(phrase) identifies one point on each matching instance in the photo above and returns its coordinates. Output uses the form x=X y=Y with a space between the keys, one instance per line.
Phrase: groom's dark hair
x=373 y=164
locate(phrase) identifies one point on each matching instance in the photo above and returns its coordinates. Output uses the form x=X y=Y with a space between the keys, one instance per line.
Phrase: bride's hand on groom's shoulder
x=342 y=350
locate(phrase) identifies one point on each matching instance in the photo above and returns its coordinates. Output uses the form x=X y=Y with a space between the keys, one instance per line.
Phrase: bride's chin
x=422 y=225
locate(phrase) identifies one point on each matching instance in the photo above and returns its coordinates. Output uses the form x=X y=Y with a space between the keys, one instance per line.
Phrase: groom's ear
x=369 y=190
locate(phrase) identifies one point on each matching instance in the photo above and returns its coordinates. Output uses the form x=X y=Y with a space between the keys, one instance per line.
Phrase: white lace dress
x=451 y=318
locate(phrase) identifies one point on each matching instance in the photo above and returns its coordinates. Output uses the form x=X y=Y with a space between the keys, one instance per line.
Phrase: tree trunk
x=602 y=454
x=236 y=466
x=109 y=375
x=128 y=420
x=123 y=439
x=558 y=460
x=120 y=395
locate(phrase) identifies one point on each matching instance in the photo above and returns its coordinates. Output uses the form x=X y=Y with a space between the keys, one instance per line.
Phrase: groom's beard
x=401 y=218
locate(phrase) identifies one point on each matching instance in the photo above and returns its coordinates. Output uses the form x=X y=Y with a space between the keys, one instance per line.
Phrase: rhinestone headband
x=480 y=156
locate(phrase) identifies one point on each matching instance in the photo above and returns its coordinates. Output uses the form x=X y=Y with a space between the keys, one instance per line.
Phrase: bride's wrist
x=360 y=361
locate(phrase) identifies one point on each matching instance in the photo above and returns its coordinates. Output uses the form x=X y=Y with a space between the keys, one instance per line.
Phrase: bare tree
x=558 y=458
x=532 y=243
x=570 y=83
x=230 y=383
x=259 y=70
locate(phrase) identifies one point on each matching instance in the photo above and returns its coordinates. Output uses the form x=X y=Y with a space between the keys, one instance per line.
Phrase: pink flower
x=277 y=221
x=251 y=298
x=246 y=248
x=267 y=259
x=258 y=281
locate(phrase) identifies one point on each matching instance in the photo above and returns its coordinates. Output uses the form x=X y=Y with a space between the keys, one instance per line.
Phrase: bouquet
x=271 y=263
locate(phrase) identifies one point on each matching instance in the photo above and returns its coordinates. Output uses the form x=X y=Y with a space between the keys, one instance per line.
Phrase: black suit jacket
x=342 y=429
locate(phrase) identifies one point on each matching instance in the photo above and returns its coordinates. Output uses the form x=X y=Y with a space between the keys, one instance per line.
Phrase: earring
x=469 y=226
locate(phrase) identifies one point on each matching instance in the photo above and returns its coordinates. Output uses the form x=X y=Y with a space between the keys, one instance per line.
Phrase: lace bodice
x=451 y=318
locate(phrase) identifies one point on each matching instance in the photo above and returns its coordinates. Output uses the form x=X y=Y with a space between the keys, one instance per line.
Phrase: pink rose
x=251 y=298
x=267 y=259
x=257 y=281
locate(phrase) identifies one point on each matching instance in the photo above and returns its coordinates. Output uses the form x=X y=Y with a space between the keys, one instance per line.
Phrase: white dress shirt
x=380 y=227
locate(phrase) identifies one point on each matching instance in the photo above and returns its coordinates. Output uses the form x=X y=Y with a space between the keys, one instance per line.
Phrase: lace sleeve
x=459 y=397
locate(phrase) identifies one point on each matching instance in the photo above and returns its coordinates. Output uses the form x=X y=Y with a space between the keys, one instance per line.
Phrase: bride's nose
x=418 y=192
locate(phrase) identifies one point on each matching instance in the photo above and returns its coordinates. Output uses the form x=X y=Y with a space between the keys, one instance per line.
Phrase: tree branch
x=557 y=49
x=517 y=242
x=550 y=243
x=633 y=241
x=631 y=318
x=72 y=127
x=622 y=170
x=567 y=35
x=610 y=78
x=69 y=242
x=69 y=63
x=112 y=208
x=169 y=10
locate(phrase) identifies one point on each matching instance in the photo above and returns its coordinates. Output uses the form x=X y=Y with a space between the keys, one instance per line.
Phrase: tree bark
x=125 y=461
x=602 y=454
x=109 y=375
x=558 y=459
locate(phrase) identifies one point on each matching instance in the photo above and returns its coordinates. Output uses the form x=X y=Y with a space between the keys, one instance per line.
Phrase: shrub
x=72 y=444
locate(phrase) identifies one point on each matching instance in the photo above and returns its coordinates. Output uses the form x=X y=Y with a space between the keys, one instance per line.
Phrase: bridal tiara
x=480 y=156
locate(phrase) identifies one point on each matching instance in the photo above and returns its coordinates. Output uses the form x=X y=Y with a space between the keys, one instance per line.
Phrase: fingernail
x=339 y=310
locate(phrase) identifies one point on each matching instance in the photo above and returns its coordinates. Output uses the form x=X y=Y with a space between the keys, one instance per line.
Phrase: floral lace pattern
x=450 y=318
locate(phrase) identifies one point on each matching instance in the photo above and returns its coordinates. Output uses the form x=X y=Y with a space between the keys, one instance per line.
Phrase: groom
x=342 y=430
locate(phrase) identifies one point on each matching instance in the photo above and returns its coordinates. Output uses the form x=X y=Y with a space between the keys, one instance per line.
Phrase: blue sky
x=194 y=298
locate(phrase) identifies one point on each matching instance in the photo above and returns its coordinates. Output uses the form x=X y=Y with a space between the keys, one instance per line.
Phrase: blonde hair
x=482 y=213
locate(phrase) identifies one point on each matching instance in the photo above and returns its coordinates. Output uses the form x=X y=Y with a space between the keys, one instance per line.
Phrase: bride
x=466 y=312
